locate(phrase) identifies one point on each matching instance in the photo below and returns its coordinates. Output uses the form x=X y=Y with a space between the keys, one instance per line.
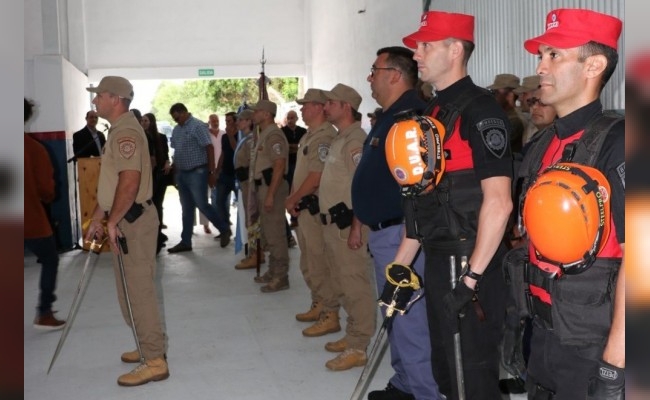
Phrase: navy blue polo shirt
x=375 y=193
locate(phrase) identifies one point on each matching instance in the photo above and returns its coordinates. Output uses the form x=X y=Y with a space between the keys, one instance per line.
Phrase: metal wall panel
x=502 y=26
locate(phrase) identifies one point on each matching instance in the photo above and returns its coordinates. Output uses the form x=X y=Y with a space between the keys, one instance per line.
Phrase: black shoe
x=224 y=240
x=162 y=238
x=390 y=393
x=180 y=248
x=512 y=386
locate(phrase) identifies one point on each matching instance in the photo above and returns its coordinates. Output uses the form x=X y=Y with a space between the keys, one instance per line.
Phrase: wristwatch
x=467 y=271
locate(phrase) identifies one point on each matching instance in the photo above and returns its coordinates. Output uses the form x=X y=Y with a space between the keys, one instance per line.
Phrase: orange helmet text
x=414 y=153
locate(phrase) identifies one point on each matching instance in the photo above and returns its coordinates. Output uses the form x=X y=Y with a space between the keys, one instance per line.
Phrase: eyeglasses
x=374 y=69
x=535 y=100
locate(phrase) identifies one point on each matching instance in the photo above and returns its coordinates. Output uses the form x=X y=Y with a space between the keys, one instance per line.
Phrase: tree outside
x=204 y=97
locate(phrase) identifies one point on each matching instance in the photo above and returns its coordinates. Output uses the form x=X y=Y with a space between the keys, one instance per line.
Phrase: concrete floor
x=227 y=340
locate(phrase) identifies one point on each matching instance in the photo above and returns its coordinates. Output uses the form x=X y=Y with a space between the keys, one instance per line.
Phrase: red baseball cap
x=572 y=27
x=439 y=25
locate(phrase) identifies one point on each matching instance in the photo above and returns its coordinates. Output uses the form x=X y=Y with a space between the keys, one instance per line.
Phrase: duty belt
x=326 y=219
x=386 y=224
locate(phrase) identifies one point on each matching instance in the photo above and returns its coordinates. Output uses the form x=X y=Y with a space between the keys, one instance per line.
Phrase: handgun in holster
x=310 y=203
x=341 y=215
x=267 y=175
x=134 y=212
x=241 y=174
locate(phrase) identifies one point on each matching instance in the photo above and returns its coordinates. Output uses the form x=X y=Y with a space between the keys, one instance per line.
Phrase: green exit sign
x=206 y=72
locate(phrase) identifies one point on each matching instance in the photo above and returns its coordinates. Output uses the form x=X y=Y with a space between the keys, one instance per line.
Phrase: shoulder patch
x=126 y=147
x=620 y=170
x=493 y=133
x=323 y=150
x=277 y=148
x=356 y=156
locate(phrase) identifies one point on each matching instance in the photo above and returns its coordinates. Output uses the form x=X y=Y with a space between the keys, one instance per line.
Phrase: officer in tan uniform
x=345 y=237
x=124 y=200
x=303 y=204
x=242 y=173
x=269 y=168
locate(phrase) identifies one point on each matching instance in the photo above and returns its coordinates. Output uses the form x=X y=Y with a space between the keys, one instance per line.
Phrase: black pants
x=159 y=188
x=479 y=339
x=559 y=368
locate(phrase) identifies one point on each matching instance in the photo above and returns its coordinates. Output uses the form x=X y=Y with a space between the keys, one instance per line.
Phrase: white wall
x=345 y=42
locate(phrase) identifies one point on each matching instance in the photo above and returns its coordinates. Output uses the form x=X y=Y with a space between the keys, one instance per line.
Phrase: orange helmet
x=567 y=215
x=414 y=153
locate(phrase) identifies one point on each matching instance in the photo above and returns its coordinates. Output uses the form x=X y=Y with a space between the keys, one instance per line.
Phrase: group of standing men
x=459 y=215
x=456 y=219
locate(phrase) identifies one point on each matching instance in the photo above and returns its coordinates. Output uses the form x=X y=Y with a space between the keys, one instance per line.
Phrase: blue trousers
x=45 y=250
x=409 y=339
x=192 y=188
x=220 y=196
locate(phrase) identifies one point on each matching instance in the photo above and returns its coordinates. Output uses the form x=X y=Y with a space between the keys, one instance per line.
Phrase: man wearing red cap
x=578 y=341
x=463 y=219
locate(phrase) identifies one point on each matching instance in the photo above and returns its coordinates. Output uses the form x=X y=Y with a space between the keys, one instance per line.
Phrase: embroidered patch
x=493 y=133
x=356 y=156
x=126 y=147
x=323 y=150
x=621 y=173
x=277 y=148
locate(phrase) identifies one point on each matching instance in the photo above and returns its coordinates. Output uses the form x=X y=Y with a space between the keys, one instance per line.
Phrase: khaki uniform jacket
x=126 y=149
x=271 y=145
x=312 y=153
x=342 y=160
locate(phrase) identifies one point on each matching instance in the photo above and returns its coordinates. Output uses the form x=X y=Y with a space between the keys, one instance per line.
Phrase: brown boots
x=313 y=314
x=152 y=370
x=328 y=323
x=275 y=285
x=250 y=262
x=350 y=358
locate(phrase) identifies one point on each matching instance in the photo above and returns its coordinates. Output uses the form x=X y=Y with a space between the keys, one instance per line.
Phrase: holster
x=134 y=212
x=341 y=215
x=514 y=268
x=267 y=175
x=310 y=203
x=241 y=174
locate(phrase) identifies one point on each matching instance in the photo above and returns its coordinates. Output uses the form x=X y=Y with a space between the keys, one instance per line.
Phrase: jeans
x=220 y=196
x=45 y=250
x=192 y=186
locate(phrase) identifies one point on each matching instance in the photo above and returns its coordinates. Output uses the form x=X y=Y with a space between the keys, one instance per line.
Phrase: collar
x=404 y=102
x=454 y=90
x=577 y=120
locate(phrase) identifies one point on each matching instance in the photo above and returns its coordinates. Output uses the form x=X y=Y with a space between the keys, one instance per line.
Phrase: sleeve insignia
x=126 y=147
x=277 y=148
x=494 y=135
x=356 y=156
x=323 y=150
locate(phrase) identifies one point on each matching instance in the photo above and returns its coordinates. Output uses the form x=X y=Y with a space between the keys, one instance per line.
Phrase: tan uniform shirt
x=342 y=160
x=272 y=145
x=126 y=149
x=312 y=152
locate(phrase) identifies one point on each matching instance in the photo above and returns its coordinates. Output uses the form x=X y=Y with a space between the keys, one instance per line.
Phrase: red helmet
x=567 y=215
x=414 y=153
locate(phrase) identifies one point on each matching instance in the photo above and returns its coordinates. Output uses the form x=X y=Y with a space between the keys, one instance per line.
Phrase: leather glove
x=401 y=283
x=606 y=383
x=455 y=303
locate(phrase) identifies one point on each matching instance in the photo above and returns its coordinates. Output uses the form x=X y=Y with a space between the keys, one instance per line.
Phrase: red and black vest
x=578 y=307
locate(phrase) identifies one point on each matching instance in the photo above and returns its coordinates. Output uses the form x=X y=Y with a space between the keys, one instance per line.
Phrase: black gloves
x=606 y=383
x=456 y=302
x=401 y=283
